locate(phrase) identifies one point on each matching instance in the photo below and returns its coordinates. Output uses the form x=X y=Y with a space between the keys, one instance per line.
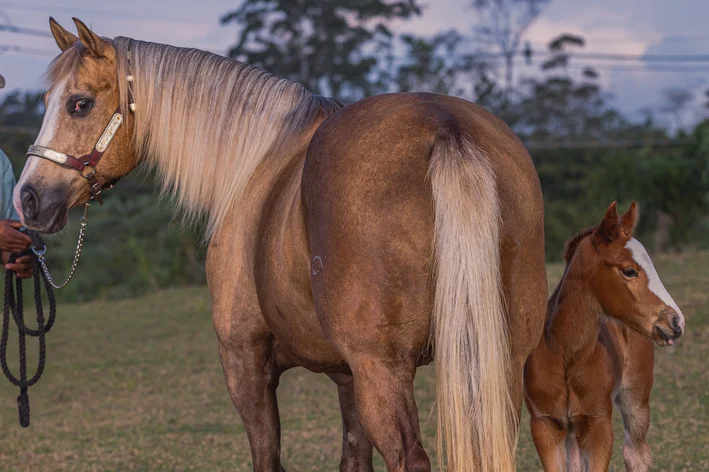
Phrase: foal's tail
x=477 y=426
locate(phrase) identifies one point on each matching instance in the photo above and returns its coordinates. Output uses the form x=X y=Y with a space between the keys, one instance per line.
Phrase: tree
x=560 y=56
x=504 y=23
x=675 y=103
x=330 y=46
x=433 y=65
x=561 y=107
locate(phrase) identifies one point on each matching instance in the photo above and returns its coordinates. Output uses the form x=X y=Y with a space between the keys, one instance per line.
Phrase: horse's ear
x=95 y=44
x=630 y=218
x=608 y=229
x=64 y=38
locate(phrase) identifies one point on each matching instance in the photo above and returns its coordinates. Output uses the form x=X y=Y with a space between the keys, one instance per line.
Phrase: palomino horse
x=585 y=361
x=361 y=247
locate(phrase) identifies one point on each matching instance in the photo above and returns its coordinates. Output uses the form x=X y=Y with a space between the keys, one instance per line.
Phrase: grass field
x=136 y=385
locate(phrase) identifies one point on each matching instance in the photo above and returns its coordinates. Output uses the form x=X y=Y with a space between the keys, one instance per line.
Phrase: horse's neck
x=574 y=320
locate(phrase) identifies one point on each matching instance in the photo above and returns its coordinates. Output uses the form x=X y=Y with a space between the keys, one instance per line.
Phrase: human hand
x=23 y=266
x=12 y=240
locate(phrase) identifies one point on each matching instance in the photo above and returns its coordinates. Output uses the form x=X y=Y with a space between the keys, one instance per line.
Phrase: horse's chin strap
x=86 y=164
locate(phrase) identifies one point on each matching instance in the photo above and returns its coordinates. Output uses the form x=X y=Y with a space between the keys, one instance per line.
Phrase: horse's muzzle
x=43 y=211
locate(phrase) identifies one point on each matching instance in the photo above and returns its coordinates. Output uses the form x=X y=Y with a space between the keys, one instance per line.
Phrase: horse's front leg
x=356 y=448
x=252 y=377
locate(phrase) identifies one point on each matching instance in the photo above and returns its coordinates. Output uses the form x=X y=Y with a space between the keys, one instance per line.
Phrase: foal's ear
x=94 y=43
x=608 y=229
x=630 y=218
x=64 y=38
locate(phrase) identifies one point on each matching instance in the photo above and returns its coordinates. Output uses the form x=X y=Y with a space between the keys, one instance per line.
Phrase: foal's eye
x=630 y=273
x=79 y=106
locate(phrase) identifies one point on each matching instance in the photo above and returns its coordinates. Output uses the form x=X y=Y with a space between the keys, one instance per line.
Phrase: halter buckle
x=94 y=185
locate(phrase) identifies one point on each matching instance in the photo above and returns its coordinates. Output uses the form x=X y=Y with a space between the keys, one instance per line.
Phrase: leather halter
x=86 y=164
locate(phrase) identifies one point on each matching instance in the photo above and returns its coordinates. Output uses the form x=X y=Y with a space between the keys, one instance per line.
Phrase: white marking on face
x=44 y=138
x=655 y=285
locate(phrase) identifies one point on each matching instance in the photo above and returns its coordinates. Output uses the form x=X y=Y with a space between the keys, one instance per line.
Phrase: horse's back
x=377 y=152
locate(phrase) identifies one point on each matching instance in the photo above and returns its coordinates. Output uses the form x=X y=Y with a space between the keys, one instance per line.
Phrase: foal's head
x=622 y=278
x=83 y=96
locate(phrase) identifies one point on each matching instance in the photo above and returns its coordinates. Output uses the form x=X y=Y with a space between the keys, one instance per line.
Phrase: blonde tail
x=477 y=427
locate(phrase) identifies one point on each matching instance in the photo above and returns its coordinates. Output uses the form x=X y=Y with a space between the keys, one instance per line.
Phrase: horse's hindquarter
x=369 y=215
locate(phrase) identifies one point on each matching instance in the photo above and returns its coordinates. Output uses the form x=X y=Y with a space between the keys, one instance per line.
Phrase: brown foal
x=597 y=349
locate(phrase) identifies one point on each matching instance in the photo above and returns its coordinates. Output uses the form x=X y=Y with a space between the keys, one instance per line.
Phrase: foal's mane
x=573 y=243
x=206 y=122
x=569 y=251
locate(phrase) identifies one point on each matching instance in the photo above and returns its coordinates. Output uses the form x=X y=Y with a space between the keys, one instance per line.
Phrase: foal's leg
x=573 y=454
x=251 y=378
x=633 y=401
x=636 y=422
x=550 y=442
x=595 y=440
x=356 y=448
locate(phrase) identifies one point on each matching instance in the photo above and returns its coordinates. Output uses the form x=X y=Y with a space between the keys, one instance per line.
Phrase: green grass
x=136 y=385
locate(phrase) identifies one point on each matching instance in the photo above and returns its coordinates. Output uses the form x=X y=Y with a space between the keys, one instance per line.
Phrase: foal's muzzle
x=668 y=327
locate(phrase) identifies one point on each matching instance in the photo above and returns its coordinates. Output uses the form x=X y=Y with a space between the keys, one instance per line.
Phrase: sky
x=635 y=27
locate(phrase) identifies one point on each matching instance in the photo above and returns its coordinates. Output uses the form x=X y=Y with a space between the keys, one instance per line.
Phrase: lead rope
x=13 y=307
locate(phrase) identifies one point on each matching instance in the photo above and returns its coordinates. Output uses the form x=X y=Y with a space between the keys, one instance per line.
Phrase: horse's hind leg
x=356 y=448
x=384 y=400
x=380 y=328
x=633 y=401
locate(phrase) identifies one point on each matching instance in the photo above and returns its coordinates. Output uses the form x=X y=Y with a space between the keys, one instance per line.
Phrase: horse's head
x=625 y=282
x=83 y=97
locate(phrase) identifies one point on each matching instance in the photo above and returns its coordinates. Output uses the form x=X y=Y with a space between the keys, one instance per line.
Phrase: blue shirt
x=7 y=180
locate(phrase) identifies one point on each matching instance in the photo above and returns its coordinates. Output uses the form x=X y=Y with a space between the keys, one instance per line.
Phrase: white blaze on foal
x=655 y=285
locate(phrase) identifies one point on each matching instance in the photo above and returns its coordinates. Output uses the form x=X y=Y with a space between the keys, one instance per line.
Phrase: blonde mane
x=206 y=122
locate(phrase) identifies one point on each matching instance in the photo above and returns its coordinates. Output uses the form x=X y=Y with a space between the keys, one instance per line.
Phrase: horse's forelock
x=63 y=65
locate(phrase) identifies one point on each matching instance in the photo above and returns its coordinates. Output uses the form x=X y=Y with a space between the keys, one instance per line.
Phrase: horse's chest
x=590 y=385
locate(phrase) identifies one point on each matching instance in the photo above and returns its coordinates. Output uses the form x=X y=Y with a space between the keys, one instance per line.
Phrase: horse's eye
x=630 y=273
x=79 y=106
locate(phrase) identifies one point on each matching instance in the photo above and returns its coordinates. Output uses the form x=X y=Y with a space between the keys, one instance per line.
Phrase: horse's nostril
x=30 y=203
x=677 y=325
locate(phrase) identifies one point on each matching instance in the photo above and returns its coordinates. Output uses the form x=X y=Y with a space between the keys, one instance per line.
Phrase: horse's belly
x=300 y=340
